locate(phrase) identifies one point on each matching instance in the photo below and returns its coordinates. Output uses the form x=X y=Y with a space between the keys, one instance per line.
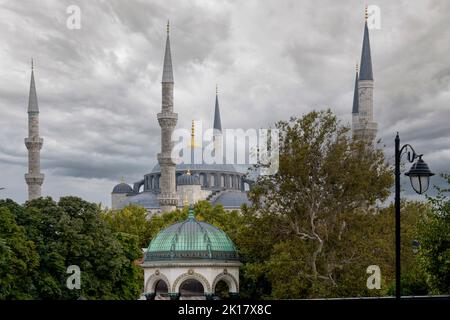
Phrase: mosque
x=167 y=184
x=189 y=259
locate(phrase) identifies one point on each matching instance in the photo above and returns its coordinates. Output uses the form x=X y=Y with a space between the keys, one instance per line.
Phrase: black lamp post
x=419 y=174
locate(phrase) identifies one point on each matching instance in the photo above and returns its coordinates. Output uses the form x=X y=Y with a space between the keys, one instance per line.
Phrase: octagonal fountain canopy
x=191 y=239
x=190 y=251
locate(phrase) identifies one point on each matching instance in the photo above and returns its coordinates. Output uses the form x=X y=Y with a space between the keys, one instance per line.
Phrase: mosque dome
x=122 y=188
x=191 y=240
x=183 y=167
x=188 y=179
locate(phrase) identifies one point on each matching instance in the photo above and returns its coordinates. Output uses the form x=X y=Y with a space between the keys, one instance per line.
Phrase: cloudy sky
x=99 y=86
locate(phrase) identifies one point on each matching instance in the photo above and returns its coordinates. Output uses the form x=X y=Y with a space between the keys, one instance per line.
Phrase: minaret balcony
x=167 y=119
x=365 y=125
x=365 y=83
x=168 y=199
x=165 y=160
x=34 y=143
x=34 y=178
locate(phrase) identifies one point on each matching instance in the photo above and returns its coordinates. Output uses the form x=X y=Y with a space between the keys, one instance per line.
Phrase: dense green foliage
x=434 y=237
x=18 y=258
x=132 y=220
x=71 y=232
x=317 y=211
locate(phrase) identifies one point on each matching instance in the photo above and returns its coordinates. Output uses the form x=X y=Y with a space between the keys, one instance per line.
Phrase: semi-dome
x=231 y=199
x=188 y=179
x=191 y=239
x=145 y=199
x=122 y=188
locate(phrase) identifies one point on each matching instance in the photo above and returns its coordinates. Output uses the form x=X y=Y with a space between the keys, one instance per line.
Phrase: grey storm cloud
x=99 y=87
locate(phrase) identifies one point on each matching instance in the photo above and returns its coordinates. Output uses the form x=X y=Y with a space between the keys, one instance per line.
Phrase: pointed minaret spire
x=365 y=72
x=355 y=109
x=34 y=178
x=167 y=70
x=32 y=98
x=217 y=132
x=217 y=123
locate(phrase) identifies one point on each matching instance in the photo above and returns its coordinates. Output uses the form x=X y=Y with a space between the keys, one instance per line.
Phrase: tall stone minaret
x=34 y=177
x=365 y=127
x=167 y=121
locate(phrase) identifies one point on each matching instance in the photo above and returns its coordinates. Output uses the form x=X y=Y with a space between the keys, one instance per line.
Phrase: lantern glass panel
x=420 y=184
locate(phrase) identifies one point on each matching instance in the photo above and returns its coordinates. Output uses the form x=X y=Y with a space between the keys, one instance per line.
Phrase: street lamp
x=419 y=175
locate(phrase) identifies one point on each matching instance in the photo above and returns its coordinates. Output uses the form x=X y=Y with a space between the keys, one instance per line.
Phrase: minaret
x=217 y=126
x=34 y=177
x=167 y=121
x=365 y=128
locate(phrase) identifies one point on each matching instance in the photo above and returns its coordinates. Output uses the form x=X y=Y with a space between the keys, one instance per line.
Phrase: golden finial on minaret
x=185 y=200
x=193 y=134
x=217 y=89
x=366 y=14
x=32 y=64
x=168 y=27
x=357 y=68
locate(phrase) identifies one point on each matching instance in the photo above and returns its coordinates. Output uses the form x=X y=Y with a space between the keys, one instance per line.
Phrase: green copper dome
x=191 y=239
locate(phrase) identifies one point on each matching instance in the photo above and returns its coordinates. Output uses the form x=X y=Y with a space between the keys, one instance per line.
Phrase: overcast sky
x=99 y=87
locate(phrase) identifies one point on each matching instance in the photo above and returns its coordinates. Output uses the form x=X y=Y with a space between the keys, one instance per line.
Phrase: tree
x=18 y=258
x=131 y=278
x=132 y=220
x=434 y=238
x=71 y=232
x=317 y=203
x=381 y=233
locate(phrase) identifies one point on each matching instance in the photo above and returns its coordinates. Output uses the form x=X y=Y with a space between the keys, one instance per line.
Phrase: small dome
x=191 y=239
x=188 y=179
x=122 y=188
